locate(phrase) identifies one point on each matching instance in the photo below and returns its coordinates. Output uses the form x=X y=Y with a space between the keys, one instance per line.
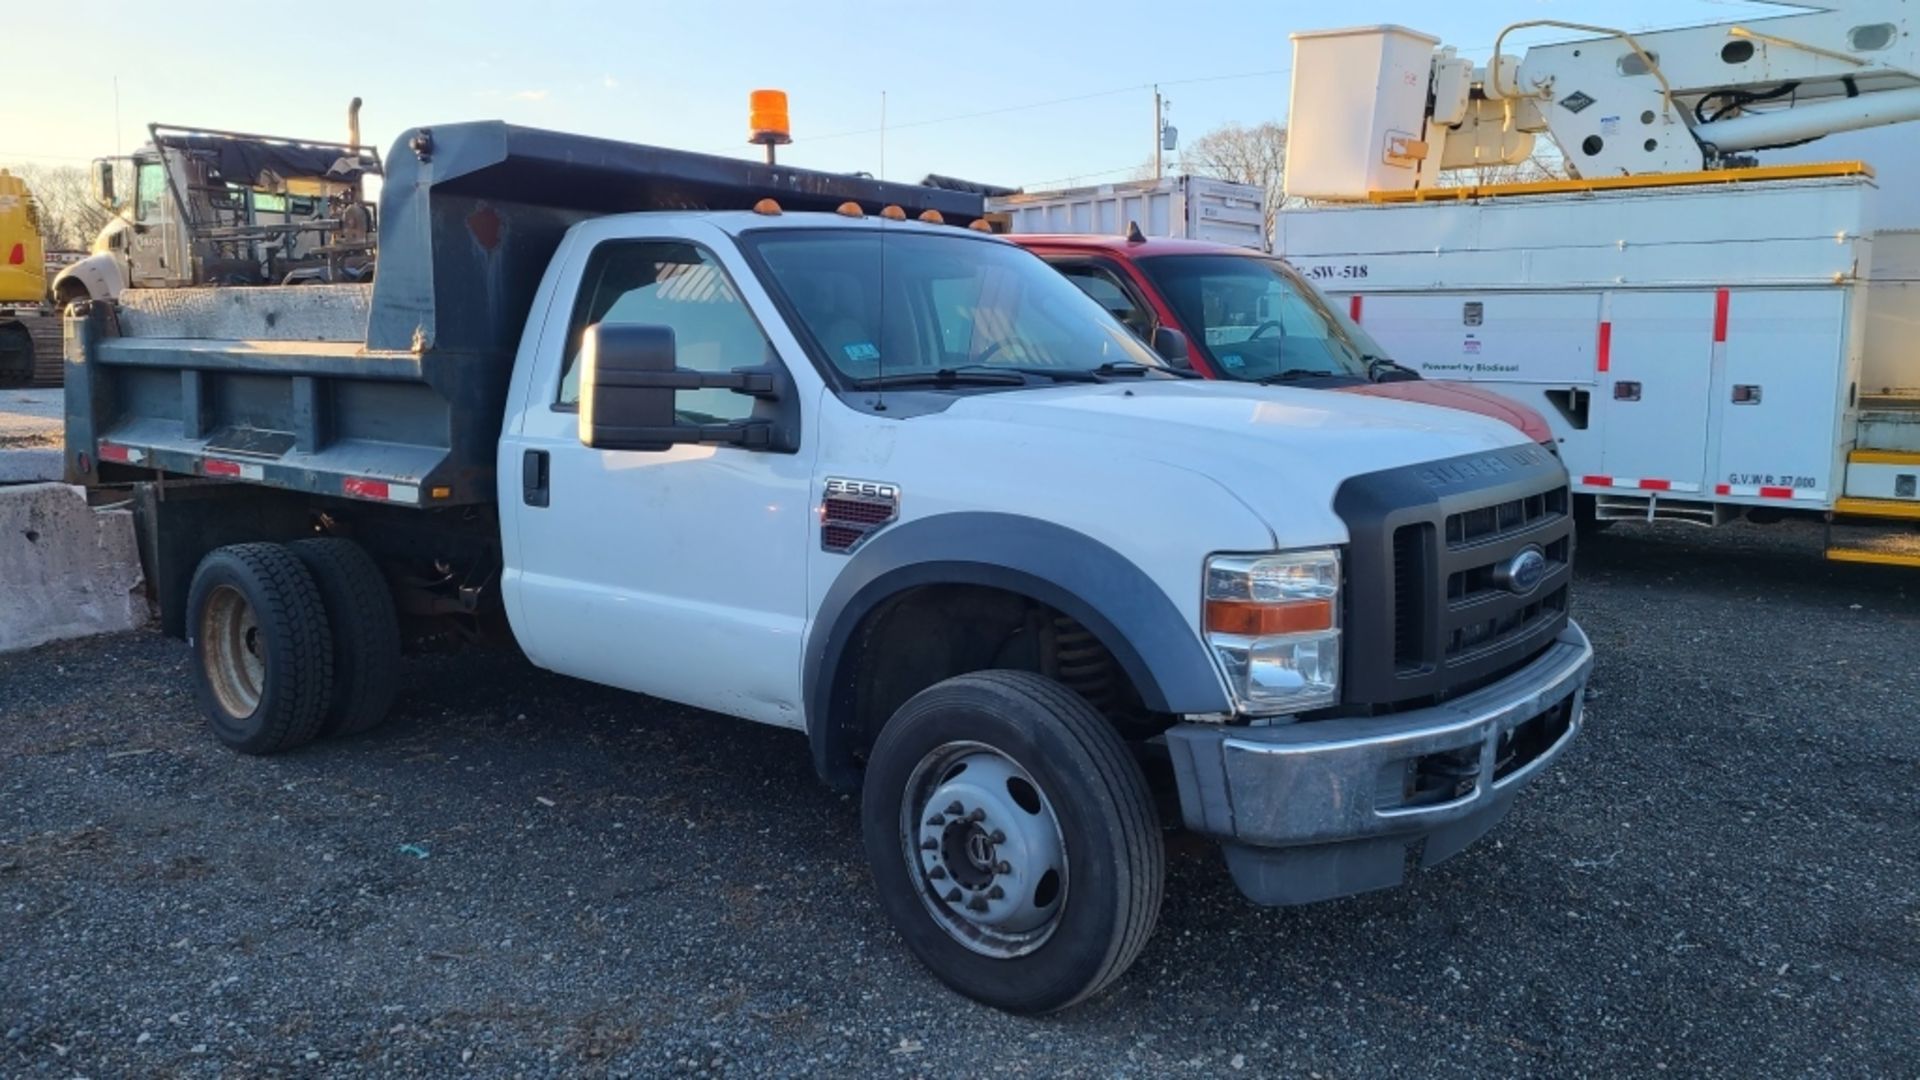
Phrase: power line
x=1048 y=103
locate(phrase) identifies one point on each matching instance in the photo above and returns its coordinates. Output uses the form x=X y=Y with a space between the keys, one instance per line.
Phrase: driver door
x=678 y=573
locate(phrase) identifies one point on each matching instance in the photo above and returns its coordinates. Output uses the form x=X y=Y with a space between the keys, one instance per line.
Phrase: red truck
x=1249 y=316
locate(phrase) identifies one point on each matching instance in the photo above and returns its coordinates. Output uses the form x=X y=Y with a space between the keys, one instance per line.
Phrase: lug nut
x=1003 y=867
x=936 y=821
x=977 y=815
x=956 y=809
x=996 y=893
x=998 y=837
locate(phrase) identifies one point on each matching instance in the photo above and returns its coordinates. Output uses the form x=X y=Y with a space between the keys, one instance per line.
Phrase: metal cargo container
x=1183 y=207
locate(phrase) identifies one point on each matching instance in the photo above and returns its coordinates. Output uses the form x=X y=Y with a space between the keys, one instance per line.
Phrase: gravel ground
x=31 y=417
x=524 y=874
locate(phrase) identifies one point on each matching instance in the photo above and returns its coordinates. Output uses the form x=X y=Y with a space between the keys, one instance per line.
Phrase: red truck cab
x=1249 y=316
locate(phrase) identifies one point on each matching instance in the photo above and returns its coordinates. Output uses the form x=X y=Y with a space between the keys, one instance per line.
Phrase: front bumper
x=1310 y=811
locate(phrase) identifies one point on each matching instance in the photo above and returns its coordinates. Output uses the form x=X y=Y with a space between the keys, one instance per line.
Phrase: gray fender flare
x=1070 y=571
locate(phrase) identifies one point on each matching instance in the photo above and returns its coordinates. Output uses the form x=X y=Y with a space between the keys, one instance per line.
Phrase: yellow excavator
x=24 y=315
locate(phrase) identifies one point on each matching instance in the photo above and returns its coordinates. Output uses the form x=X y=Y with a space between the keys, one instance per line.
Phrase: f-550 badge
x=853 y=510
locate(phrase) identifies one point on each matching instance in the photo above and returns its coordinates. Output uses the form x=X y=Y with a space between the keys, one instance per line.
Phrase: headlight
x=1273 y=622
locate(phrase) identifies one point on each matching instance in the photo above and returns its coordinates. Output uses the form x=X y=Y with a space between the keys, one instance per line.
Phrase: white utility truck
x=744 y=437
x=1175 y=207
x=1711 y=335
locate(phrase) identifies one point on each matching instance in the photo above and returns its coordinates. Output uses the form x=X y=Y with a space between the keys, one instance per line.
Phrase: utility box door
x=1785 y=389
x=1655 y=395
x=1487 y=337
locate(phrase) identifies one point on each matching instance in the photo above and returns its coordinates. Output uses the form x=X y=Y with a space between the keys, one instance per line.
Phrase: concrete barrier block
x=66 y=569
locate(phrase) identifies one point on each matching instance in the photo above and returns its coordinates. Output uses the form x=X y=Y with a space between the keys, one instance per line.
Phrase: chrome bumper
x=1315 y=810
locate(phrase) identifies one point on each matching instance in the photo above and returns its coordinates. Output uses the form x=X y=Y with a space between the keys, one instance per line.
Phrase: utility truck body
x=1713 y=334
x=891 y=483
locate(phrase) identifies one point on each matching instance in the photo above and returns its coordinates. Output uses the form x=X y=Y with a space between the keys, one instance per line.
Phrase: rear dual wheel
x=291 y=642
x=1013 y=840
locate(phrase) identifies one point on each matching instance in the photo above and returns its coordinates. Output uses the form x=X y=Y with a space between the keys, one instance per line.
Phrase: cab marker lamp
x=893 y=213
x=1273 y=622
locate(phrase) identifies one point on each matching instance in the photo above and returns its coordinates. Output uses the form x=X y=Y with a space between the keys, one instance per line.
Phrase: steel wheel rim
x=232 y=651
x=984 y=848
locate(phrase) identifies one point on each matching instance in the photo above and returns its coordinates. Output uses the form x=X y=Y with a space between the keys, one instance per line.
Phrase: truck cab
x=800 y=449
x=1251 y=317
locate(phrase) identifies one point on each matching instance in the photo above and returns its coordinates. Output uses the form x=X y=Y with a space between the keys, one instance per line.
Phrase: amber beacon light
x=767 y=122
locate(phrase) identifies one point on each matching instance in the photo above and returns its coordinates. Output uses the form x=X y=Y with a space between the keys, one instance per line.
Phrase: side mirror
x=628 y=379
x=103 y=184
x=1172 y=346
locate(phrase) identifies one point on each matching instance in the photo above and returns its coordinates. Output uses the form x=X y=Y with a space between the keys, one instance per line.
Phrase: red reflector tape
x=1721 y=301
x=1656 y=485
x=1597 y=481
x=385 y=491
x=1751 y=491
x=1606 y=346
x=110 y=452
x=235 y=469
x=1353 y=307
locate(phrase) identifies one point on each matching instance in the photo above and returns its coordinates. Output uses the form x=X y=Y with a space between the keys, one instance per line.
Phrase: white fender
x=99 y=274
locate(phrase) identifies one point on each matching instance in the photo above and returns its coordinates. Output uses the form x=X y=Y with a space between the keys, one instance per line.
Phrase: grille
x=1432 y=609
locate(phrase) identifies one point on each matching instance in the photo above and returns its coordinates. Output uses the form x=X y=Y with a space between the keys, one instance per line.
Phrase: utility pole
x=1157 y=165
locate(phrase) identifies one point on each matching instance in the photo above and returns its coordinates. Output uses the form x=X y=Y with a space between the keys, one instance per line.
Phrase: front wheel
x=1013 y=840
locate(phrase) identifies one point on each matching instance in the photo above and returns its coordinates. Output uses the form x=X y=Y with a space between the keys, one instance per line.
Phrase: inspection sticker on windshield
x=862 y=350
x=1232 y=360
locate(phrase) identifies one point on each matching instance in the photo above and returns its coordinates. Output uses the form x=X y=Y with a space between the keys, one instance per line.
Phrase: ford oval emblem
x=1524 y=572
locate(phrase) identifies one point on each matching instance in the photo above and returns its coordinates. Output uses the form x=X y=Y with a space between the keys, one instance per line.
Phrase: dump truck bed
x=394 y=392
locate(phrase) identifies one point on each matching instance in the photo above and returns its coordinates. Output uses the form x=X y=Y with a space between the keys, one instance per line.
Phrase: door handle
x=533 y=478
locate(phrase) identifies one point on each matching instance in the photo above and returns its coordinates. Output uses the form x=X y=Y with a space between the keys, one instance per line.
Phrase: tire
x=366 y=633
x=263 y=657
x=1008 y=728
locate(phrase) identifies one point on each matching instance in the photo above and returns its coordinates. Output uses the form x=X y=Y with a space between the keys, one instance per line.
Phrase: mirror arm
x=753 y=382
x=748 y=434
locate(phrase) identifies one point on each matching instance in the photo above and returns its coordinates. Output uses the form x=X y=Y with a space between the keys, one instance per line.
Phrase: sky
x=1033 y=94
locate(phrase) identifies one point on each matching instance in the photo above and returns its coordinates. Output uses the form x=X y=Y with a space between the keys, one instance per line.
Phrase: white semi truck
x=212 y=207
x=744 y=437
x=1717 y=324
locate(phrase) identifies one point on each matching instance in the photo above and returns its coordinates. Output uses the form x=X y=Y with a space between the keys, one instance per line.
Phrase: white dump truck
x=747 y=438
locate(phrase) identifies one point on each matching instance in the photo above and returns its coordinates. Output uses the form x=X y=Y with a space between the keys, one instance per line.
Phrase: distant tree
x=1246 y=155
x=1545 y=163
x=69 y=218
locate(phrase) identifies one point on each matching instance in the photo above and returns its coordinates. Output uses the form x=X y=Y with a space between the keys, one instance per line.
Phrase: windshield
x=950 y=302
x=1257 y=319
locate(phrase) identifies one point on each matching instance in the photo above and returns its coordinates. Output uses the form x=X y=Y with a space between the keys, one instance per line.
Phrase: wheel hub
x=988 y=848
